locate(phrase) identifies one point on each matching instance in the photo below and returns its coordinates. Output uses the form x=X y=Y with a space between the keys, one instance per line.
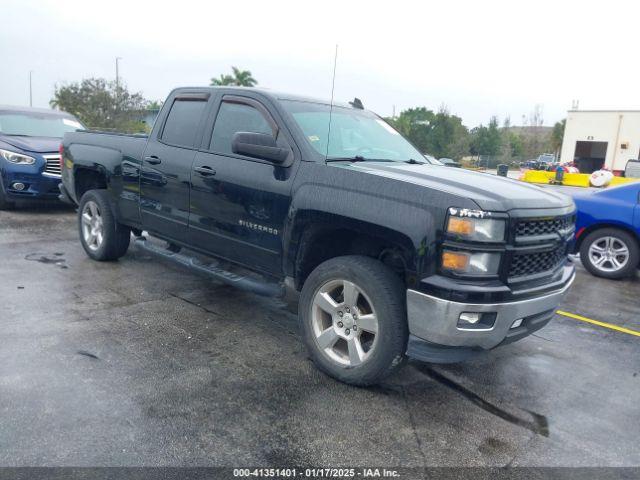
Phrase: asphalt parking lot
x=141 y=363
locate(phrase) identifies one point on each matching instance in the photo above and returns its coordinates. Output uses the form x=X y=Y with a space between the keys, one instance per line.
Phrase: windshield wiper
x=414 y=162
x=357 y=158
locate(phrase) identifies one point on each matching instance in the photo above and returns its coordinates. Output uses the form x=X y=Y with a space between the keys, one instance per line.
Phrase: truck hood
x=32 y=144
x=489 y=192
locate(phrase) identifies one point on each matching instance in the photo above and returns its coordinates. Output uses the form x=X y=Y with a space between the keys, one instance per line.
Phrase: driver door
x=239 y=204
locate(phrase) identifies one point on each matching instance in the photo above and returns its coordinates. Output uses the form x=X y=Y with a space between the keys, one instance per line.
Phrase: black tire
x=382 y=287
x=624 y=237
x=116 y=237
x=5 y=204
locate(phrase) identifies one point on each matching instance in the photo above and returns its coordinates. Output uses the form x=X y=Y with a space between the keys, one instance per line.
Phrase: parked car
x=448 y=162
x=531 y=165
x=392 y=256
x=608 y=230
x=632 y=169
x=547 y=158
x=29 y=156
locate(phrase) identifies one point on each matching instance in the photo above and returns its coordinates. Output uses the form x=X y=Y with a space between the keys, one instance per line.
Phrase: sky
x=478 y=58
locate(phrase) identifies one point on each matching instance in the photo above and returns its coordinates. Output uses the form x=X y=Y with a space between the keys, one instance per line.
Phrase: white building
x=597 y=139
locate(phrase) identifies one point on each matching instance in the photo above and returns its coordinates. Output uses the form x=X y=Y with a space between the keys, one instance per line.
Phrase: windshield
x=353 y=133
x=37 y=125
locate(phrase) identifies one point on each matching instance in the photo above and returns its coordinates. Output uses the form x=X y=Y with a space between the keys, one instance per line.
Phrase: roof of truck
x=276 y=95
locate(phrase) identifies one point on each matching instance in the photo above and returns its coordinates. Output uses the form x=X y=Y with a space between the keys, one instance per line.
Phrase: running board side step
x=243 y=282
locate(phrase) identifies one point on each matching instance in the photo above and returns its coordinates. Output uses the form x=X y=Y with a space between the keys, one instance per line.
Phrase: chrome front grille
x=53 y=168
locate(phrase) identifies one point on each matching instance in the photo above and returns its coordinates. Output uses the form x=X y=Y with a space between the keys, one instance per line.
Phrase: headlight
x=471 y=263
x=18 y=158
x=474 y=225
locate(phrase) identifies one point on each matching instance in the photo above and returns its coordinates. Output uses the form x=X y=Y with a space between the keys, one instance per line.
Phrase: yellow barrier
x=570 y=179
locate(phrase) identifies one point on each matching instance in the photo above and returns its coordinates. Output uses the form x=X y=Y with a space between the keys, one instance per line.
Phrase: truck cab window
x=232 y=118
x=182 y=122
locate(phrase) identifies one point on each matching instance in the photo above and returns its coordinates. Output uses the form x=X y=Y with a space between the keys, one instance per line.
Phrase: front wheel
x=610 y=253
x=102 y=237
x=353 y=319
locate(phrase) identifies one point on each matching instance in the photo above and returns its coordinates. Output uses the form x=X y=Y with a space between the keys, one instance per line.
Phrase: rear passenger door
x=239 y=204
x=166 y=166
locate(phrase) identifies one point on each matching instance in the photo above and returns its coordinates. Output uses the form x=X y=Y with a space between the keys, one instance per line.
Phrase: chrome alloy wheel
x=92 y=225
x=344 y=322
x=609 y=254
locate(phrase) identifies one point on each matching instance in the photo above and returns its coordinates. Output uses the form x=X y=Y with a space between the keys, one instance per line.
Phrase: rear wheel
x=610 y=253
x=102 y=237
x=353 y=319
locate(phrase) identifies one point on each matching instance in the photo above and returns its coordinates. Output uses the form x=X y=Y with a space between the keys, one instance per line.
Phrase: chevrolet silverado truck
x=393 y=257
x=29 y=157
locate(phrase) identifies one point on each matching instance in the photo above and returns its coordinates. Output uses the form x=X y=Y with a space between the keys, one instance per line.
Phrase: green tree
x=101 y=104
x=155 y=105
x=439 y=134
x=557 y=136
x=415 y=125
x=240 y=78
x=516 y=145
x=486 y=140
x=448 y=137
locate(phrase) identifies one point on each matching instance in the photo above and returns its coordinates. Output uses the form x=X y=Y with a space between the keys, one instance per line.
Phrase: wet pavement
x=142 y=363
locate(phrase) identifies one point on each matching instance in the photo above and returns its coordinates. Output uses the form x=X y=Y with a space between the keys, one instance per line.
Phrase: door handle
x=153 y=160
x=205 y=171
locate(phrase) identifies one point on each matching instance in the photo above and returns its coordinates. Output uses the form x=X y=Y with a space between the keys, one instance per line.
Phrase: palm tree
x=240 y=78
x=244 y=78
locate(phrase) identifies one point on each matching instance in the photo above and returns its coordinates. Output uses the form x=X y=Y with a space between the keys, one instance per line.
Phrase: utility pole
x=30 y=90
x=117 y=72
x=117 y=83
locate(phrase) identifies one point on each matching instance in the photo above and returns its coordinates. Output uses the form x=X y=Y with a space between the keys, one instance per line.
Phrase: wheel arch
x=319 y=236
x=585 y=231
x=89 y=178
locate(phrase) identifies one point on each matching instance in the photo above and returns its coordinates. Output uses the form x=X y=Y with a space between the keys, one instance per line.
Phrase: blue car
x=608 y=230
x=29 y=152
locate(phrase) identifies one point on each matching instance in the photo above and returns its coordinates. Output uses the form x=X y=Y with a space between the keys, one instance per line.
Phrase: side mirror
x=258 y=145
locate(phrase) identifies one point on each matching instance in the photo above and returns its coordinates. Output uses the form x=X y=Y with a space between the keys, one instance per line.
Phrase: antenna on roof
x=333 y=86
x=357 y=103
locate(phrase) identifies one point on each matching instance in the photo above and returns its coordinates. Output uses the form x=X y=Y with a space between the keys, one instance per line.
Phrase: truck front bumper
x=437 y=335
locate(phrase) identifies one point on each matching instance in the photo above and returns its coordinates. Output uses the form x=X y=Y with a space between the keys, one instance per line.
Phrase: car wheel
x=353 y=319
x=102 y=237
x=610 y=253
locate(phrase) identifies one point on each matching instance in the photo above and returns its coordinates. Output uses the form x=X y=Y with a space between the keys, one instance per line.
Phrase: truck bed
x=130 y=145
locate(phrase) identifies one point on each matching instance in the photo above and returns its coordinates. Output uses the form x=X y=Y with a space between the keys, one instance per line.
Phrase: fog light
x=517 y=323
x=469 y=317
x=19 y=186
x=476 y=320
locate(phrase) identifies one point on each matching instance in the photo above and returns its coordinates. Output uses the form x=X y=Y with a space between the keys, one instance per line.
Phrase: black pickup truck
x=393 y=257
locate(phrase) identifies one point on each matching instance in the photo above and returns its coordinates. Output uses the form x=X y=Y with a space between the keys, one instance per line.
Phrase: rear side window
x=182 y=122
x=236 y=117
